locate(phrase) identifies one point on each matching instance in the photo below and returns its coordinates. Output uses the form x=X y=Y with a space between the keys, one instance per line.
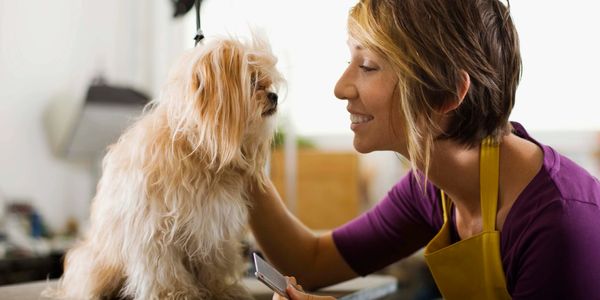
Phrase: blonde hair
x=429 y=43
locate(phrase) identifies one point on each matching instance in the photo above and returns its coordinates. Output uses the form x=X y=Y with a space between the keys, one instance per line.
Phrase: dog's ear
x=219 y=91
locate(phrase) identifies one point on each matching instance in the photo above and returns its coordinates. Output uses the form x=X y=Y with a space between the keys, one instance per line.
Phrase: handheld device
x=269 y=276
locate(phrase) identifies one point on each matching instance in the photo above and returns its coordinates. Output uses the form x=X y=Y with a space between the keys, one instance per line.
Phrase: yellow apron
x=472 y=268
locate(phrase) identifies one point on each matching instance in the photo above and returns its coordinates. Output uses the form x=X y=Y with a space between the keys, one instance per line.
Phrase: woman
x=500 y=215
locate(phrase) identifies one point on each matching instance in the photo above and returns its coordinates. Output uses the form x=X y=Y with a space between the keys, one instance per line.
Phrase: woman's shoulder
x=560 y=177
x=550 y=233
x=559 y=209
x=552 y=229
x=414 y=185
x=418 y=196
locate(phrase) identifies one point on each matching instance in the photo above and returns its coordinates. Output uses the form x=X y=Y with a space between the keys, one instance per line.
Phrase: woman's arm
x=291 y=247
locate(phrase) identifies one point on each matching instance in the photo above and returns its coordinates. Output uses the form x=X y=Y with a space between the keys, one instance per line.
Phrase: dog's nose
x=272 y=97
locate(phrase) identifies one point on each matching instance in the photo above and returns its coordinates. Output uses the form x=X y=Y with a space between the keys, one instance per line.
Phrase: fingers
x=292 y=281
x=295 y=292
x=298 y=295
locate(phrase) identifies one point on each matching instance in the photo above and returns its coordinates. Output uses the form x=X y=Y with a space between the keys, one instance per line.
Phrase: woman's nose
x=345 y=88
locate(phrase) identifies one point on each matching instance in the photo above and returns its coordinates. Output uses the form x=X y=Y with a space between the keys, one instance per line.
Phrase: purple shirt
x=550 y=242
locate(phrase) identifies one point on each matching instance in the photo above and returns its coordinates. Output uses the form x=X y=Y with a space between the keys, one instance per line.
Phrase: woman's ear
x=461 y=92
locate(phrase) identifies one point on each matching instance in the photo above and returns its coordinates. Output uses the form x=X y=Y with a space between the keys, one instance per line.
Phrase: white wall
x=52 y=49
x=560 y=43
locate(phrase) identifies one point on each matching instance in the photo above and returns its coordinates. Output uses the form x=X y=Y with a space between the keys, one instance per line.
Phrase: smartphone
x=269 y=276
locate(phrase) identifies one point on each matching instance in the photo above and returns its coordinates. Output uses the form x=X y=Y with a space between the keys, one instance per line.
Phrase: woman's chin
x=362 y=147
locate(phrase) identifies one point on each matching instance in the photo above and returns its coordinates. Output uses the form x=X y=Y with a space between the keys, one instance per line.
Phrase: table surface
x=370 y=287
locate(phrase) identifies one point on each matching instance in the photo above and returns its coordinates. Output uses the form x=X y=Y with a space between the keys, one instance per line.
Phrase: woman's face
x=369 y=85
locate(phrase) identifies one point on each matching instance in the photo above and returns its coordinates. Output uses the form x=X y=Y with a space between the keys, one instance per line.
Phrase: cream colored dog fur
x=171 y=207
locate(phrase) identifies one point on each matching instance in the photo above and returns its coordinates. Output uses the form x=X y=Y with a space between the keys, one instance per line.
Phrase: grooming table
x=370 y=287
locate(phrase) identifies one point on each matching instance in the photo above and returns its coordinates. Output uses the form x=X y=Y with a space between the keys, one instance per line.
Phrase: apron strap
x=446 y=205
x=489 y=166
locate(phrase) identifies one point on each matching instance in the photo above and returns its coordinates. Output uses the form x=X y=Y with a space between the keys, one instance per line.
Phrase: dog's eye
x=258 y=86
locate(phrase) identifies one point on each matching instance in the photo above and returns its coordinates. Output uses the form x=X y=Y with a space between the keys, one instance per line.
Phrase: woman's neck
x=455 y=170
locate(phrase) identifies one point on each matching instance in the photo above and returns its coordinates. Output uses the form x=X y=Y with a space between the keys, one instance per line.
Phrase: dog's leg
x=88 y=274
x=160 y=273
x=223 y=274
x=236 y=292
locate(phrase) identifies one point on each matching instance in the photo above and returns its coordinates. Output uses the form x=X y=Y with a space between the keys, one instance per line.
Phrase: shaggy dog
x=171 y=207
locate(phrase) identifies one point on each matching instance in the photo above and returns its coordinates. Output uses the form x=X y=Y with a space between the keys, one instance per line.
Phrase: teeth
x=357 y=119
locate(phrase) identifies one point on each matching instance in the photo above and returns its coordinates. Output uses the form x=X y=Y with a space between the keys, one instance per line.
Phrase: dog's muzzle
x=272 y=97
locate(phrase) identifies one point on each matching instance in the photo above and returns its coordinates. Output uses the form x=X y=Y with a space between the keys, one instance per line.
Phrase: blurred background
x=74 y=73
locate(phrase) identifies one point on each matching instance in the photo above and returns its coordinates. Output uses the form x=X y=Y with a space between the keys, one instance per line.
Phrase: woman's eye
x=367 y=68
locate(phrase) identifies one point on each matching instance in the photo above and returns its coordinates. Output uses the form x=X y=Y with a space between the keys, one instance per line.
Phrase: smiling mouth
x=360 y=119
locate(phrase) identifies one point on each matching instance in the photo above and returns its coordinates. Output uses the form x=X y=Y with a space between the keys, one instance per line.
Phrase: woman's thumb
x=294 y=293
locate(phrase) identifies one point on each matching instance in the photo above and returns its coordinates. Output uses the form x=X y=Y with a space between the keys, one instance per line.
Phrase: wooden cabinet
x=327 y=186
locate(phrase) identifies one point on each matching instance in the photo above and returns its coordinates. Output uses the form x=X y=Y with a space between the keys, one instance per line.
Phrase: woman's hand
x=295 y=292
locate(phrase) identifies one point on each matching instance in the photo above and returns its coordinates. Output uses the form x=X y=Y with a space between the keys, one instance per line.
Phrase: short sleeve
x=397 y=226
